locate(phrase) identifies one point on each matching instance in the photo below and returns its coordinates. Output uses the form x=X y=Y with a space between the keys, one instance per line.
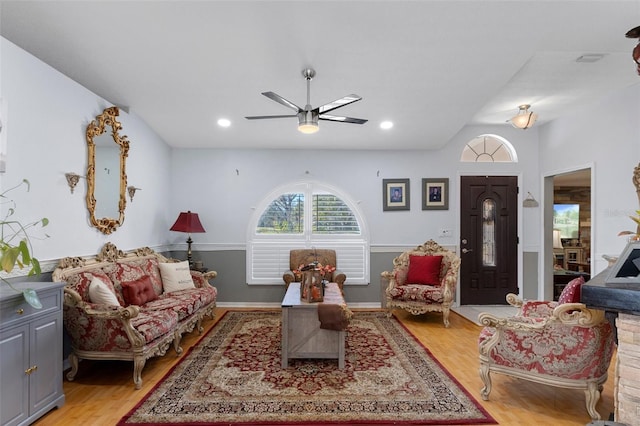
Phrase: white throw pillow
x=100 y=293
x=176 y=276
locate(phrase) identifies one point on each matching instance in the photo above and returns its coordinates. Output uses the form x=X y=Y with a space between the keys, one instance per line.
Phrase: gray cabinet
x=30 y=353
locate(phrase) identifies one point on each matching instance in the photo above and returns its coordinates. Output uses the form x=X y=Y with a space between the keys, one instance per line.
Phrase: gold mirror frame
x=97 y=127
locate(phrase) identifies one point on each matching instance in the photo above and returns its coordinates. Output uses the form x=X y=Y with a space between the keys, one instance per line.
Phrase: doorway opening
x=567 y=238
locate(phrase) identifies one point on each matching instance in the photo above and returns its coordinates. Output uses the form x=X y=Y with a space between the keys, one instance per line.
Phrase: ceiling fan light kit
x=308 y=116
x=308 y=122
x=525 y=118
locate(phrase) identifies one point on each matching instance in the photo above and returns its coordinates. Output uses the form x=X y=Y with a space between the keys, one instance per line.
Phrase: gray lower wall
x=530 y=277
x=233 y=289
x=232 y=286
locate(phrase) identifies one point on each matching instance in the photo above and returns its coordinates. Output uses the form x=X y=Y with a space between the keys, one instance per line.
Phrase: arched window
x=489 y=148
x=306 y=215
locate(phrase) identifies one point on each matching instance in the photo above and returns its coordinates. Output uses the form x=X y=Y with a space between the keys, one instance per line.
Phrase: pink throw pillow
x=138 y=292
x=424 y=270
x=571 y=293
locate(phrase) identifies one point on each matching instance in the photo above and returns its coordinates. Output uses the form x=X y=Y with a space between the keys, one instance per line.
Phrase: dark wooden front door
x=488 y=239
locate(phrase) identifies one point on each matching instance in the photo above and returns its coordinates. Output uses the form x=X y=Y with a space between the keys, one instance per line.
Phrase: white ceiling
x=432 y=67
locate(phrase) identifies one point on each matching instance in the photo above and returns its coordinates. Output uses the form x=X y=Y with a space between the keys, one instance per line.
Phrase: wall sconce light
x=132 y=191
x=72 y=180
x=525 y=118
x=530 y=201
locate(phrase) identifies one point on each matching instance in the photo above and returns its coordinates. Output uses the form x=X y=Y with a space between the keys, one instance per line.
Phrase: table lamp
x=557 y=241
x=188 y=222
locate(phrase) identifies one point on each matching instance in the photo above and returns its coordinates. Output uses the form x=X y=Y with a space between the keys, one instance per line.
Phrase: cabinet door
x=14 y=382
x=46 y=355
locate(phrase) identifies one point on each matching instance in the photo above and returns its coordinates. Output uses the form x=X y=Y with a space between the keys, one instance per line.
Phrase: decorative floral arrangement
x=317 y=266
x=634 y=235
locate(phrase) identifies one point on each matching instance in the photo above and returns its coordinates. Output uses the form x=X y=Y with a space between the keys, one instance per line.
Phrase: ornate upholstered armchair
x=558 y=344
x=423 y=279
x=307 y=256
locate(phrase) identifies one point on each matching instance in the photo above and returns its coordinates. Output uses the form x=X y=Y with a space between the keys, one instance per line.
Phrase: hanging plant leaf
x=32 y=298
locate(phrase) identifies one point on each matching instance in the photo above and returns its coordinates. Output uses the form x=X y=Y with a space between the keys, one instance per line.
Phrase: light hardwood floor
x=103 y=392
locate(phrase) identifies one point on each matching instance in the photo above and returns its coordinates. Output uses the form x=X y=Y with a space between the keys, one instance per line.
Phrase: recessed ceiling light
x=386 y=125
x=223 y=122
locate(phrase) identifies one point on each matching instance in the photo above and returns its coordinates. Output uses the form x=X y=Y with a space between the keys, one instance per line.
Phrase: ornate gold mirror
x=106 y=176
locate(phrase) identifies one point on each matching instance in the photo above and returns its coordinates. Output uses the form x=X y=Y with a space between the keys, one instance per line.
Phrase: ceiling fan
x=308 y=117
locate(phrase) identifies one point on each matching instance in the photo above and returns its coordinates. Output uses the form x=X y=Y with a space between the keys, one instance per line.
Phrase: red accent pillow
x=571 y=293
x=424 y=270
x=138 y=292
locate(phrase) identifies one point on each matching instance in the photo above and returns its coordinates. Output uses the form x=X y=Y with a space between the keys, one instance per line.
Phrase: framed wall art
x=435 y=194
x=395 y=194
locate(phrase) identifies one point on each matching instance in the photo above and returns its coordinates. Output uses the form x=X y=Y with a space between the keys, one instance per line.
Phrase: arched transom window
x=489 y=148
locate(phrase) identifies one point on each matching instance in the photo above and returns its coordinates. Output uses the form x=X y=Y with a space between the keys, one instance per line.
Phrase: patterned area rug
x=234 y=376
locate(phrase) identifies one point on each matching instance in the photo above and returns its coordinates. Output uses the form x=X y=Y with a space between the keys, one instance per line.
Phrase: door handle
x=465 y=250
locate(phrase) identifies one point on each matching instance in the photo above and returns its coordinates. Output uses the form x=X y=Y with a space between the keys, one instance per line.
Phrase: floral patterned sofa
x=423 y=280
x=131 y=306
x=560 y=344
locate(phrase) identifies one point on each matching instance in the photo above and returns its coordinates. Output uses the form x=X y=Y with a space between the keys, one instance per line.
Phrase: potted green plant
x=15 y=244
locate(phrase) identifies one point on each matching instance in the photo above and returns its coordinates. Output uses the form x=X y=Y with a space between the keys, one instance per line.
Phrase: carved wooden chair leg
x=445 y=316
x=177 y=337
x=73 y=361
x=592 y=395
x=138 y=365
x=486 y=380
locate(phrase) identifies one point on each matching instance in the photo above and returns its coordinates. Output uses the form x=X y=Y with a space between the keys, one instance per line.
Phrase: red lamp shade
x=188 y=222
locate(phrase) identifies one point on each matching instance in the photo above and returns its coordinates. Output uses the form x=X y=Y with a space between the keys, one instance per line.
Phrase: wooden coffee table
x=302 y=336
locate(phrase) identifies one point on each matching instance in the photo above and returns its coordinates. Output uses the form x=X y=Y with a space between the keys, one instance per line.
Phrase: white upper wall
x=607 y=135
x=44 y=137
x=224 y=186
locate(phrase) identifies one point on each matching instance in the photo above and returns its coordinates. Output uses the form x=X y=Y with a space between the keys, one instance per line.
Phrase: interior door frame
x=520 y=228
x=545 y=267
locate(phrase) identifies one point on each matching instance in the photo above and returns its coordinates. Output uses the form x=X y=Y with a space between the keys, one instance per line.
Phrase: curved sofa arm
x=82 y=319
x=571 y=314
x=288 y=277
x=72 y=298
x=338 y=277
x=210 y=275
x=387 y=275
x=201 y=279
x=391 y=280
x=513 y=323
x=514 y=300
x=531 y=308
x=578 y=314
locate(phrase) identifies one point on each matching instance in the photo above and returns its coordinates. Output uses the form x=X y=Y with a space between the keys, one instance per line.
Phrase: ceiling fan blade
x=279 y=99
x=342 y=119
x=349 y=99
x=260 y=117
